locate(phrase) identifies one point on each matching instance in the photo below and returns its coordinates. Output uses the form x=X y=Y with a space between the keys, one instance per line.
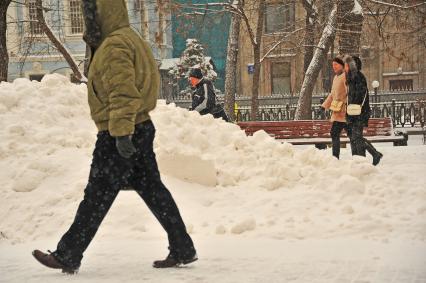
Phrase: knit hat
x=196 y=73
x=339 y=61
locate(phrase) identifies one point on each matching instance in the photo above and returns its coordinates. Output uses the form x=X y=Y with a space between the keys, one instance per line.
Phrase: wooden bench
x=414 y=131
x=317 y=132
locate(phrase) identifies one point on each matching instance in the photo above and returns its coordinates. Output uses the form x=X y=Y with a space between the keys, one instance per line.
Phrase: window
x=279 y=18
x=76 y=17
x=35 y=27
x=400 y=85
x=280 y=77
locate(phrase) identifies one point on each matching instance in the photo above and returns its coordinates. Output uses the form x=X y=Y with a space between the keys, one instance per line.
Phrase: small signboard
x=250 y=68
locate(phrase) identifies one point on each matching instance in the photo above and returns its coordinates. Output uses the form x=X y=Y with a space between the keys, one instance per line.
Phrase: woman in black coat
x=358 y=94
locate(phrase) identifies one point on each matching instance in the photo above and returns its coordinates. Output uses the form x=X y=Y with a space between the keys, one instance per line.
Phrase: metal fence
x=403 y=111
x=289 y=98
x=403 y=114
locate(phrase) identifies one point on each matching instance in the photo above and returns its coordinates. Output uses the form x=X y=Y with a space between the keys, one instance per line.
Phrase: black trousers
x=108 y=175
x=221 y=114
x=336 y=130
x=217 y=112
x=358 y=143
x=357 y=138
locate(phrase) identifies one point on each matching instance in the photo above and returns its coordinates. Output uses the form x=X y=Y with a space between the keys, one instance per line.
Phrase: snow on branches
x=193 y=57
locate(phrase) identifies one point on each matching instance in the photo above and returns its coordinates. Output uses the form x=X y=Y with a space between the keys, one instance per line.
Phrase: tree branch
x=62 y=49
x=233 y=9
x=279 y=43
x=396 y=5
x=309 y=7
x=303 y=110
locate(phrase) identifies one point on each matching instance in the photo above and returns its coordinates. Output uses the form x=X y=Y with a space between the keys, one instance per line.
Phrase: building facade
x=206 y=24
x=390 y=54
x=394 y=52
x=32 y=55
x=281 y=63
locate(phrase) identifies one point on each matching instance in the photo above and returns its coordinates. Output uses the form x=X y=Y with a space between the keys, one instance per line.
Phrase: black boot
x=172 y=260
x=376 y=158
x=51 y=261
x=374 y=153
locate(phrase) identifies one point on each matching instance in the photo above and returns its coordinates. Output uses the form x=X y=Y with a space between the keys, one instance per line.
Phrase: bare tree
x=244 y=11
x=390 y=21
x=31 y=33
x=162 y=8
x=409 y=20
x=399 y=4
x=303 y=110
x=343 y=18
x=309 y=40
x=231 y=64
x=59 y=46
x=350 y=20
x=4 y=62
x=256 y=42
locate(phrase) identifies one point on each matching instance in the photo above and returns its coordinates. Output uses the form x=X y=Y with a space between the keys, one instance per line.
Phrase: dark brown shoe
x=172 y=261
x=50 y=261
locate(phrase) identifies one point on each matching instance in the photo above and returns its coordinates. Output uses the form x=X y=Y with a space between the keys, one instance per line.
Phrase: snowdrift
x=226 y=182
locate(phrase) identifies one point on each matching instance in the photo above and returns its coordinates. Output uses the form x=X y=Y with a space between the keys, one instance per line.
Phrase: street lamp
x=375 y=85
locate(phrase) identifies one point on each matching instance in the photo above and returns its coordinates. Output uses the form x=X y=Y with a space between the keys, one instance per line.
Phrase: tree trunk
x=61 y=48
x=87 y=59
x=350 y=21
x=4 y=62
x=255 y=89
x=309 y=39
x=303 y=110
x=144 y=21
x=257 y=63
x=327 y=71
x=231 y=66
x=159 y=35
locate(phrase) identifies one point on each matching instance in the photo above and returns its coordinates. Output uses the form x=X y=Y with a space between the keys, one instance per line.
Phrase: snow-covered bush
x=192 y=57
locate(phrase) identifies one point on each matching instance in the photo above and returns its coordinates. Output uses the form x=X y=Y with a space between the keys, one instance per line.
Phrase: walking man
x=123 y=84
x=204 y=97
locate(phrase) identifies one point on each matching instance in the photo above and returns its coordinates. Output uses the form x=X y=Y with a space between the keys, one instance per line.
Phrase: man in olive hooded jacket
x=123 y=83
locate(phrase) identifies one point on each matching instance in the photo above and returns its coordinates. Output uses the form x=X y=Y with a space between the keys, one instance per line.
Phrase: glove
x=125 y=146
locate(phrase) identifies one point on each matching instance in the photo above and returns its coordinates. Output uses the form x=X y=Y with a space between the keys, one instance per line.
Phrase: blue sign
x=250 y=68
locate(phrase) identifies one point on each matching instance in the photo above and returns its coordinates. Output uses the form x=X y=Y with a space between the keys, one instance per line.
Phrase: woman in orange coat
x=338 y=94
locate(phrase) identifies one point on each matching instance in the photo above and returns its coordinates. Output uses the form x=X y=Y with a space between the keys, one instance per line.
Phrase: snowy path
x=231 y=259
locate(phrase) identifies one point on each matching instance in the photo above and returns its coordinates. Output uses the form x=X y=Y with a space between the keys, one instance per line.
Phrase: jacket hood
x=102 y=17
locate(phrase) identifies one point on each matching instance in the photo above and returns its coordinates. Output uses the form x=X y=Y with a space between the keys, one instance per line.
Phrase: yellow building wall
x=399 y=57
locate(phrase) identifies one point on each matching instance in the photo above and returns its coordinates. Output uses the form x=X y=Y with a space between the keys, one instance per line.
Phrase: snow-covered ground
x=258 y=210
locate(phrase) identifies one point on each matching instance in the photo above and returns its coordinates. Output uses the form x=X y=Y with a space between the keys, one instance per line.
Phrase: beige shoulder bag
x=355 y=109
